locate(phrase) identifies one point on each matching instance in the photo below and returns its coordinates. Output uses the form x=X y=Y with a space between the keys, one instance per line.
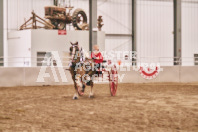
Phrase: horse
x=80 y=76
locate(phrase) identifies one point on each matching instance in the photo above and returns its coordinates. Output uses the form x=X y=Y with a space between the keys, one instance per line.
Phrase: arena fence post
x=92 y=23
x=177 y=31
x=1 y=28
x=134 y=46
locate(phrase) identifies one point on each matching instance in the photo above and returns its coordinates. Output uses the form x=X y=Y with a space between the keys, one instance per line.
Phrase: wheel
x=58 y=24
x=113 y=80
x=61 y=25
x=79 y=18
x=55 y=23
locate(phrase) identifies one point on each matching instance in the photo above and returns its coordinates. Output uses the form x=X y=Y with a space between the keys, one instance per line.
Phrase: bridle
x=74 y=51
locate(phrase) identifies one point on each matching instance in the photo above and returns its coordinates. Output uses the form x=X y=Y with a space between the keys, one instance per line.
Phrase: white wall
x=117 y=16
x=27 y=76
x=122 y=43
x=111 y=10
x=18 y=10
x=117 y=19
x=154 y=25
x=49 y=40
x=29 y=42
x=1 y=28
x=19 y=48
x=155 y=31
x=5 y=16
x=189 y=31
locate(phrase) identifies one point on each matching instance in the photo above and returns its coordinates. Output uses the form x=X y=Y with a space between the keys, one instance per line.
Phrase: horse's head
x=74 y=50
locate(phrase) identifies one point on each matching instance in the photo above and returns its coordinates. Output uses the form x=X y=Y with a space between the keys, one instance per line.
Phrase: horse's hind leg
x=91 y=95
x=76 y=91
x=83 y=86
x=83 y=83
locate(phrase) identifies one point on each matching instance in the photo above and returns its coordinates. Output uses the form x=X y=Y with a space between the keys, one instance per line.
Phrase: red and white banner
x=62 y=32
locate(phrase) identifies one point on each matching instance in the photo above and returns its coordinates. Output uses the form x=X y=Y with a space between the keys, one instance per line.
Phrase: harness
x=82 y=57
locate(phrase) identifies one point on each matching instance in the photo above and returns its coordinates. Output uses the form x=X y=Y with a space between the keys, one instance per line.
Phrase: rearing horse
x=78 y=72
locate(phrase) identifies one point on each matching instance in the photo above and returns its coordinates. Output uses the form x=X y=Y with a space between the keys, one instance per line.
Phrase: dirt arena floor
x=137 y=107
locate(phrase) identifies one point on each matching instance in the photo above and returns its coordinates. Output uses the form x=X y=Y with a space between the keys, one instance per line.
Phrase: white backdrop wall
x=29 y=42
x=155 y=31
x=117 y=19
x=154 y=25
x=27 y=76
x=117 y=15
x=189 y=31
x=19 y=48
x=19 y=10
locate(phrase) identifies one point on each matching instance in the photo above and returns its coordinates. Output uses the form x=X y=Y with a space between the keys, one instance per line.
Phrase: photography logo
x=147 y=70
x=49 y=61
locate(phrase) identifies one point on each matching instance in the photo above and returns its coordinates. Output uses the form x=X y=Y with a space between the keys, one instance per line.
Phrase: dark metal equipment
x=59 y=17
x=32 y=23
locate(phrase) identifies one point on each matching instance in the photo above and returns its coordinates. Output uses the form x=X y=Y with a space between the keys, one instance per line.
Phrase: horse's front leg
x=91 y=94
x=76 y=91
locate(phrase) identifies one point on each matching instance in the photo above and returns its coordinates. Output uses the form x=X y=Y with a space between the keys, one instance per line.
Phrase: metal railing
x=39 y=61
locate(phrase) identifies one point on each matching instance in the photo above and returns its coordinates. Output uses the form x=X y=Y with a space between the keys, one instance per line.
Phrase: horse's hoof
x=91 y=96
x=88 y=83
x=75 y=98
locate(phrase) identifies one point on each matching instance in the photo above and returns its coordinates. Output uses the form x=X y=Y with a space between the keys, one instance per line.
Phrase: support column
x=134 y=46
x=92 y=23
x=56 y=2
x=177 y=31
x=1 y=31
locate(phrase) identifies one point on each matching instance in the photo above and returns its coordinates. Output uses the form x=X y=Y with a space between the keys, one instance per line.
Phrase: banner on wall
x=62 y=32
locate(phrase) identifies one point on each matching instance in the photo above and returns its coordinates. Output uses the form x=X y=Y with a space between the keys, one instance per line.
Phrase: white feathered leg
x=91 y=94
x=77 y=83
x=75 y=96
